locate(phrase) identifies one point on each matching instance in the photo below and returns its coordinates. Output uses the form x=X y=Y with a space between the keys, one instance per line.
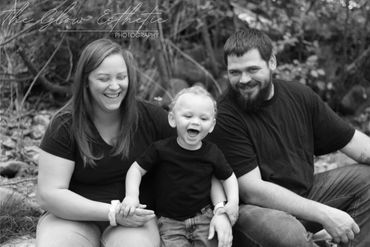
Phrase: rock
x=341 y=159
x=24 y=241
x=12 y=168
x=8 y=142
x=43 y=120
x=38 y=131
x=32 y=152
x=355 y=100
x=331 y=161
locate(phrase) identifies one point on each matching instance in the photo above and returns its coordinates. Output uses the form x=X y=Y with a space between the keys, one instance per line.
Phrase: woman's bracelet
x=112 y=212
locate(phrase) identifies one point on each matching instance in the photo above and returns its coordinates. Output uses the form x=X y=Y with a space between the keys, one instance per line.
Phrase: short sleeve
x=222 y=168
x=331 y=132
x=149 y=158
x=234 y=142
x=156 y=119
x=58 y=139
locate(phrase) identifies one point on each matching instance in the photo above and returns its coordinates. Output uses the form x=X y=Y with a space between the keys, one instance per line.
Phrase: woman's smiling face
x=108 y=84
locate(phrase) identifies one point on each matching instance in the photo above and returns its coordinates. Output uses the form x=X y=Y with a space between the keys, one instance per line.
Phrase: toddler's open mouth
x=193 y=132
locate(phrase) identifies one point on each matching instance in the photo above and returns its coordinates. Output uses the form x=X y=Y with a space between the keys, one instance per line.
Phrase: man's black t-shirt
x=282 y=137
x=106 y=180
x=183 y=177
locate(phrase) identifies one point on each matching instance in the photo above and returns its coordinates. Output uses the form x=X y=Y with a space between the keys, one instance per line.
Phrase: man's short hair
x=243 y=41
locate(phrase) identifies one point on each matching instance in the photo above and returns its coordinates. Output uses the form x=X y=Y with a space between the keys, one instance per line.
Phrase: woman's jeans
x=346 y=188
x=56 y=232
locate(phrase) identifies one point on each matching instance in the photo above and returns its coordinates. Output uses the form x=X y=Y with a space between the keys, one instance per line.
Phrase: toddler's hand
x=232 y=211
x=129 y=205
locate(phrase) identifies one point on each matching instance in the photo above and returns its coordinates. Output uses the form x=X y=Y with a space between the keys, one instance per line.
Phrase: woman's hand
x=221 y=225
x=139 y=218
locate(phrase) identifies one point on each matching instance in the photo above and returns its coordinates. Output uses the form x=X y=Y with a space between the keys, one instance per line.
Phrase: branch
x=70 y=62
x=41 y=70
x=209 y=48
x=355 y=65
x=45 y=82
x=19 y=181
x=196 y=63
x=17 y=35
x=312 y=3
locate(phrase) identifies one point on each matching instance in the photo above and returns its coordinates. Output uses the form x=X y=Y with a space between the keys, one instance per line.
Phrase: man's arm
x=358 y=148
x=256 y=191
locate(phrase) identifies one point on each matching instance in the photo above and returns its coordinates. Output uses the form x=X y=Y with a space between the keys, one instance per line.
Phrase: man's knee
x=269 y=227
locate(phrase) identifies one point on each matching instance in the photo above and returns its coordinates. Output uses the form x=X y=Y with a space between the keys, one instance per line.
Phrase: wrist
x=113 y=209
x=219 y=208
x=233 y=202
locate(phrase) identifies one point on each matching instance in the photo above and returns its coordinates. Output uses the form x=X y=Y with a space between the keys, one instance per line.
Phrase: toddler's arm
x=217 y=191
x=133 y=179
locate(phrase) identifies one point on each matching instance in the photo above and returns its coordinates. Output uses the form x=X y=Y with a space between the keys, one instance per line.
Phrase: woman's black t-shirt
x=106 y=180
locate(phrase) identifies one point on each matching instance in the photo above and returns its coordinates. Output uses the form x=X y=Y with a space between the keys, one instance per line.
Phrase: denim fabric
x=56 y=232
x=190 y=232
x=346 y=188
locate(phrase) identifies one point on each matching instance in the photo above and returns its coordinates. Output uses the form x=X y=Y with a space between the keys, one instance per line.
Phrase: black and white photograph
x=184 y=123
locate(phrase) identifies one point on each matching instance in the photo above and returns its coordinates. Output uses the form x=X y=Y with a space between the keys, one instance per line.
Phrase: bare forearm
x=133 y=180
x=217 y=191
x=270 y=195
x=69 y=205
x=358 y=148
x=231 y=189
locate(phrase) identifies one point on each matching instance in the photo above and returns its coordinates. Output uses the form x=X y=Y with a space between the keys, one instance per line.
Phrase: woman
x=87 y=150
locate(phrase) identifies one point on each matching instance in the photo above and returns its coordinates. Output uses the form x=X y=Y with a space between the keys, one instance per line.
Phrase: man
x=270 y=130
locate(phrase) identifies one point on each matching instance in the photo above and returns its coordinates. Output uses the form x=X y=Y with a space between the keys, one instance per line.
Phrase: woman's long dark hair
x=80 y=106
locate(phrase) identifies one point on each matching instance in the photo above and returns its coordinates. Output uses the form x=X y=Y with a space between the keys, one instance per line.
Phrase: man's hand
x=340 y=225
x=232 y=210
x=221 y=225
x=128 y=205
x=139 y=218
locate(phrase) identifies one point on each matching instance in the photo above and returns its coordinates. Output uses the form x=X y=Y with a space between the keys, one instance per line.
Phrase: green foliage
x=335 y=32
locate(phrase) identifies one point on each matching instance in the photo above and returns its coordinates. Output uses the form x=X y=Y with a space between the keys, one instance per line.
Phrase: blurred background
x=324 y=44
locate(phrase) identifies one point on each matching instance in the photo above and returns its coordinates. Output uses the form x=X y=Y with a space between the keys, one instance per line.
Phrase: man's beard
x=251 y=104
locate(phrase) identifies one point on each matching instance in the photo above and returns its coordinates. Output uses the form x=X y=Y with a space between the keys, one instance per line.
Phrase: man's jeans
x=190 y=232
x=346 y=188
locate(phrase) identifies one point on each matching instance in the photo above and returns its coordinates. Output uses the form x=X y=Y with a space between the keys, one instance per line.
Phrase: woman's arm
x=54 y=195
